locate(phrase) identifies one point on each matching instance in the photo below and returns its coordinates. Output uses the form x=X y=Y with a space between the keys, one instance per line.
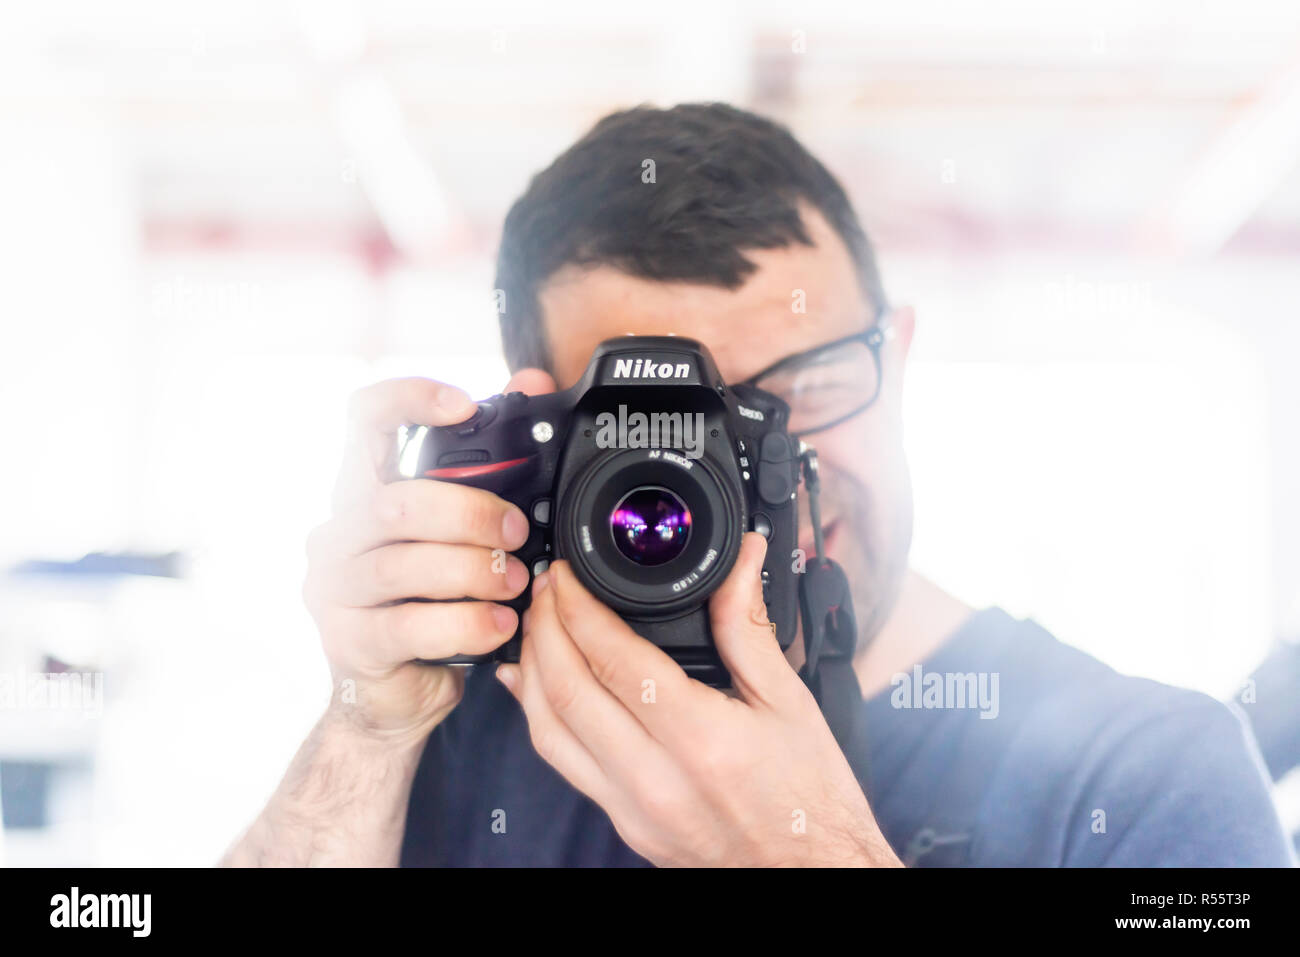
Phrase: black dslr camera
x=644 y=476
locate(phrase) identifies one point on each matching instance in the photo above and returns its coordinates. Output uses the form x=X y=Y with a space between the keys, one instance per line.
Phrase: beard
x=870 y=536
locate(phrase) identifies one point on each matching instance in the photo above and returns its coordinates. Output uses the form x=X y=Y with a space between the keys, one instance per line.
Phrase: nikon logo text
x=650 y=369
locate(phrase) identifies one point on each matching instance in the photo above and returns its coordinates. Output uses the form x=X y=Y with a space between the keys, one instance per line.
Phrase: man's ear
x=903 y=319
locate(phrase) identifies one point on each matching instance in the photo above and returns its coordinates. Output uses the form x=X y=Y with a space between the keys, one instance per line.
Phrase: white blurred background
x=219 y=219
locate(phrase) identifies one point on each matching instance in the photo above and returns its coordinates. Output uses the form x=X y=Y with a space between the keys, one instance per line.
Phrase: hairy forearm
x=342 y=802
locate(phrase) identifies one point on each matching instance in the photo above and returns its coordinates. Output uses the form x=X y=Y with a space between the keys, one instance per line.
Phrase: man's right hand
x=343 y=799
x=389 y=542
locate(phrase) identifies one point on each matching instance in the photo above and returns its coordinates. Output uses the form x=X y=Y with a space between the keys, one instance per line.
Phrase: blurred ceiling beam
x=1249 y=159
x=401 y=184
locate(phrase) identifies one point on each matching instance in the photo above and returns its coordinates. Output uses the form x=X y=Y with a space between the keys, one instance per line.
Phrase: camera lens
x=651 y=525
x=650 y=535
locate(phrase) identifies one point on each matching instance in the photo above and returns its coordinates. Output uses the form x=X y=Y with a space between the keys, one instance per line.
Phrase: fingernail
x=516 y=576
x=507 y=677
x=504 y=618
x=515 y=528
x=451 y=399
x=540 y=582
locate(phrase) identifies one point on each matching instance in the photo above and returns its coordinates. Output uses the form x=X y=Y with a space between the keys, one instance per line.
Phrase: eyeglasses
x=830 y=383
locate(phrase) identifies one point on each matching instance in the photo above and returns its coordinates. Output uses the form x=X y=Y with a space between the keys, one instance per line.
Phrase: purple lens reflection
x=650 y=525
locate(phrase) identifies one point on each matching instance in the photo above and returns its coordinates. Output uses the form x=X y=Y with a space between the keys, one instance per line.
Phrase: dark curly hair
x=725 y=181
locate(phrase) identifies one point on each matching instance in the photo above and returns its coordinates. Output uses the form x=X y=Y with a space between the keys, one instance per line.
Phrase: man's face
x=866 y=499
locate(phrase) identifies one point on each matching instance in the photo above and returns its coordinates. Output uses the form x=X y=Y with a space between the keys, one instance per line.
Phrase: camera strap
x=830 y=631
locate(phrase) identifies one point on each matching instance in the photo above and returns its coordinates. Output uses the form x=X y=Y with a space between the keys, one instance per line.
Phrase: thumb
x=745 y=639
x=531 y=382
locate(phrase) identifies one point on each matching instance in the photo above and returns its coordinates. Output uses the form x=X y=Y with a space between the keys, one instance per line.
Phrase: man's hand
x=343 y=800
x=687 y=774
x=388 y=543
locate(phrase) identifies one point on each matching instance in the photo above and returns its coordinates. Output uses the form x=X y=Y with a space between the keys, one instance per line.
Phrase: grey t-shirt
x=1058 y=761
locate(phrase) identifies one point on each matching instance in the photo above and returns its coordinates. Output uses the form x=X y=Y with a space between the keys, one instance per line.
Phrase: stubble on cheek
x=871 y=544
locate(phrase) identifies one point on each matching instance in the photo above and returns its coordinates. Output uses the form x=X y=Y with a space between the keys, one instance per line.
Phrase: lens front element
x=650 y=525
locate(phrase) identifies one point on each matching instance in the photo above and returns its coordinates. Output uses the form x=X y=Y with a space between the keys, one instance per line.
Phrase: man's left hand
x=688 y=774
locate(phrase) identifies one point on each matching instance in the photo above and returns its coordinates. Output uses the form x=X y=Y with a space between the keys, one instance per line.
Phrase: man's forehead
x=798 y=297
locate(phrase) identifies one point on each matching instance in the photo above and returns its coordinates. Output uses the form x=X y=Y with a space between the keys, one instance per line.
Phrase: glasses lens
x=832 y=384
x=650 y=525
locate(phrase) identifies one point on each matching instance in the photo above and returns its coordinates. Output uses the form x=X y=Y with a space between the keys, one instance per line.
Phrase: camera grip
x=500 y=451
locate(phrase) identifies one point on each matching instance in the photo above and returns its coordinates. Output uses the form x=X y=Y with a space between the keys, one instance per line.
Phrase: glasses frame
x=874 y=337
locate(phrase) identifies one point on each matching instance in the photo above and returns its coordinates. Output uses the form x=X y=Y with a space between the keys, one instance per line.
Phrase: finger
x=552 y=740
x=376 y=412
x=426 y=570
x=652 y=686
x=745 y=639
x=422 y=510
x=531 y=382
x=380 y=638
x=385 y=406
x=609 y=732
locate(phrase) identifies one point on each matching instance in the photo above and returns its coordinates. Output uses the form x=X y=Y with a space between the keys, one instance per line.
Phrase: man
x=1050 y=758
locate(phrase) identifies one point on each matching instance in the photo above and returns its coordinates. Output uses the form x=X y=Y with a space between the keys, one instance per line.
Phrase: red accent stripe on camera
x=469 y=471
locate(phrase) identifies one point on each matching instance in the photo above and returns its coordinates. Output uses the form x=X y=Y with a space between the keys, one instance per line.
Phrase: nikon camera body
x=644 y=476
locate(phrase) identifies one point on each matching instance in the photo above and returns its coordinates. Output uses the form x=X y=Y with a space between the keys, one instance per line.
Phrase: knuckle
x=735 y=605
x=722 y=606
x=482 y=518
x=605 y=669
x=419 y=388
x=649 y=841
x=315 y=590
x=662 y=803
x=563 y=695
x=333 y=635
x=386 y=565
x=640 y=838
x=309 y=594
x=387 y=506
x=315 y=544
x=715 y=754
x=461 y=574
x=472 y=621
x=358 y=405
x=483 y=581
x=544 y=741
x=399 y=624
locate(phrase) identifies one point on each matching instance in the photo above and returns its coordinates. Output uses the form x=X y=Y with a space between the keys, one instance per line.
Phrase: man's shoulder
x=1060 y=699
x=1051 y=687
x=1041 y=689
x=1092 y=767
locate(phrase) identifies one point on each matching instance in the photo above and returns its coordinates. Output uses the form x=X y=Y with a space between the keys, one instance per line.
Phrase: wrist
x=855 y=840
x=867 y=847
x=351 y=732
x=391 y=714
